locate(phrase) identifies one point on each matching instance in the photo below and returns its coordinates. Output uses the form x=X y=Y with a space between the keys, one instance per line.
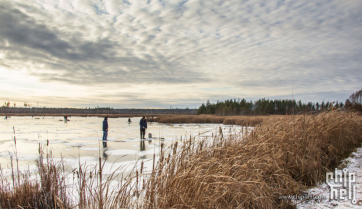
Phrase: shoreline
x=242 y=120
x=78 y=115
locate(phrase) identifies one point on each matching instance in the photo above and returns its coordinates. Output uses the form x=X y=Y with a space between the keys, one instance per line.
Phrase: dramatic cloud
x=157 y=53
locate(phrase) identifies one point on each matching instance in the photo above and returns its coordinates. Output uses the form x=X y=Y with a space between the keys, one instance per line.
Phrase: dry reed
x=45 y=190
x=226 y=120
x=51 y=186
x=279 y=157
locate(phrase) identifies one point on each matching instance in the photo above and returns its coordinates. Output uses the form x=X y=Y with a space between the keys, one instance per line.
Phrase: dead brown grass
x=47 y=191
x=49 y=186
x=279 y=157
x=227 y=120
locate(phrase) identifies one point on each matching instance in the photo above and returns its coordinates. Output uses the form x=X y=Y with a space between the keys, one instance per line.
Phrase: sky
x=179 y=53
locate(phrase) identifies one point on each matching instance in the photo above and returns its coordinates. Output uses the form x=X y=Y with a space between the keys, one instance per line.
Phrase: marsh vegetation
x=250 y=168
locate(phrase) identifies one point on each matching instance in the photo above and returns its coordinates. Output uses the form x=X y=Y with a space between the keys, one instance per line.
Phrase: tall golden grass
x=45 y=190
x=247 y=169
x=50 y=186
x=227 y=120
x=279 y=157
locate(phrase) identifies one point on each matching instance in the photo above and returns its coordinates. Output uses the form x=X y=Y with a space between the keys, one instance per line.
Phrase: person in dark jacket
x=143 y=126
x=105 y=131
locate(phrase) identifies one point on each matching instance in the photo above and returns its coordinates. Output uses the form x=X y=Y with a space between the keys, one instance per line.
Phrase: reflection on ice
x=79 y=144
x=136 y=140
x=44 y=141
x=132 y=152
x=122 y=152
x=89 y=148
x=92 y=138
x=86 y=138
x=74 y=162
x=149 y=152
x=21 y=156
x=7 y=172
x=21 y=139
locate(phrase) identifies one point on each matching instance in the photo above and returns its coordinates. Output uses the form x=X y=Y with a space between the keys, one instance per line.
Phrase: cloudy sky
x=179 y=53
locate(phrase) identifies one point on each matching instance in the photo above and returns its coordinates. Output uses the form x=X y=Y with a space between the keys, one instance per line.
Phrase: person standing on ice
x=105 y=130
x=143 y=126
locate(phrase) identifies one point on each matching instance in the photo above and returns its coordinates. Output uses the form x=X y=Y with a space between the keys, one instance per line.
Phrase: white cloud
x=253 y=48
x=84 y=6
x=114 y=7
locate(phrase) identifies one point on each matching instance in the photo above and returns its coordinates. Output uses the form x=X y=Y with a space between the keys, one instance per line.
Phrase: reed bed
x=47 y=189
x=189 y=119
x=53 y=185
x=250 y=168
x=282 y=156
x=226 y=120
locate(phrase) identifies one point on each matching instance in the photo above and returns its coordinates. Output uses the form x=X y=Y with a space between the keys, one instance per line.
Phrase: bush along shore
x=226 y=120
x=279 y=156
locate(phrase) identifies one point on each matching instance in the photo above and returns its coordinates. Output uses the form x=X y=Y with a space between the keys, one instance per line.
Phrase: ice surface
x=149 y=152
x=89 y=148
x=21 y=156
x=122 y=152
x=79 y=144
x=82 y=135
x=44 y=141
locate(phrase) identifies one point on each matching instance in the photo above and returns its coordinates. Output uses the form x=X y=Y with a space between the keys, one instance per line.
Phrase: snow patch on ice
x=89 y=148
x=122 y=152
x=21 y=156
x=79 y=144
x=44 y=141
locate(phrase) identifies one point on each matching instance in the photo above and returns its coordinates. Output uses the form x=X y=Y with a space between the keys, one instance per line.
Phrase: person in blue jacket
x=143 y=126
x=105 y=130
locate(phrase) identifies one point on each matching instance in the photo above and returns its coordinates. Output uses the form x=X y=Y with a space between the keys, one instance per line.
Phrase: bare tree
x=356 y=98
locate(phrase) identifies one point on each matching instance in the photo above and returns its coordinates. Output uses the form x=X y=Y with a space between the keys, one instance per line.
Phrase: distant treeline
x=275 y=107
x=262 y=107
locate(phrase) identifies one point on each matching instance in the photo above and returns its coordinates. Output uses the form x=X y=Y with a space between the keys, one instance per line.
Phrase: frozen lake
x=80 y=138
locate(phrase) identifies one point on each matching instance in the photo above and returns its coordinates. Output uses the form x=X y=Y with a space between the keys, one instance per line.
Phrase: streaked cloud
x=156 y=53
